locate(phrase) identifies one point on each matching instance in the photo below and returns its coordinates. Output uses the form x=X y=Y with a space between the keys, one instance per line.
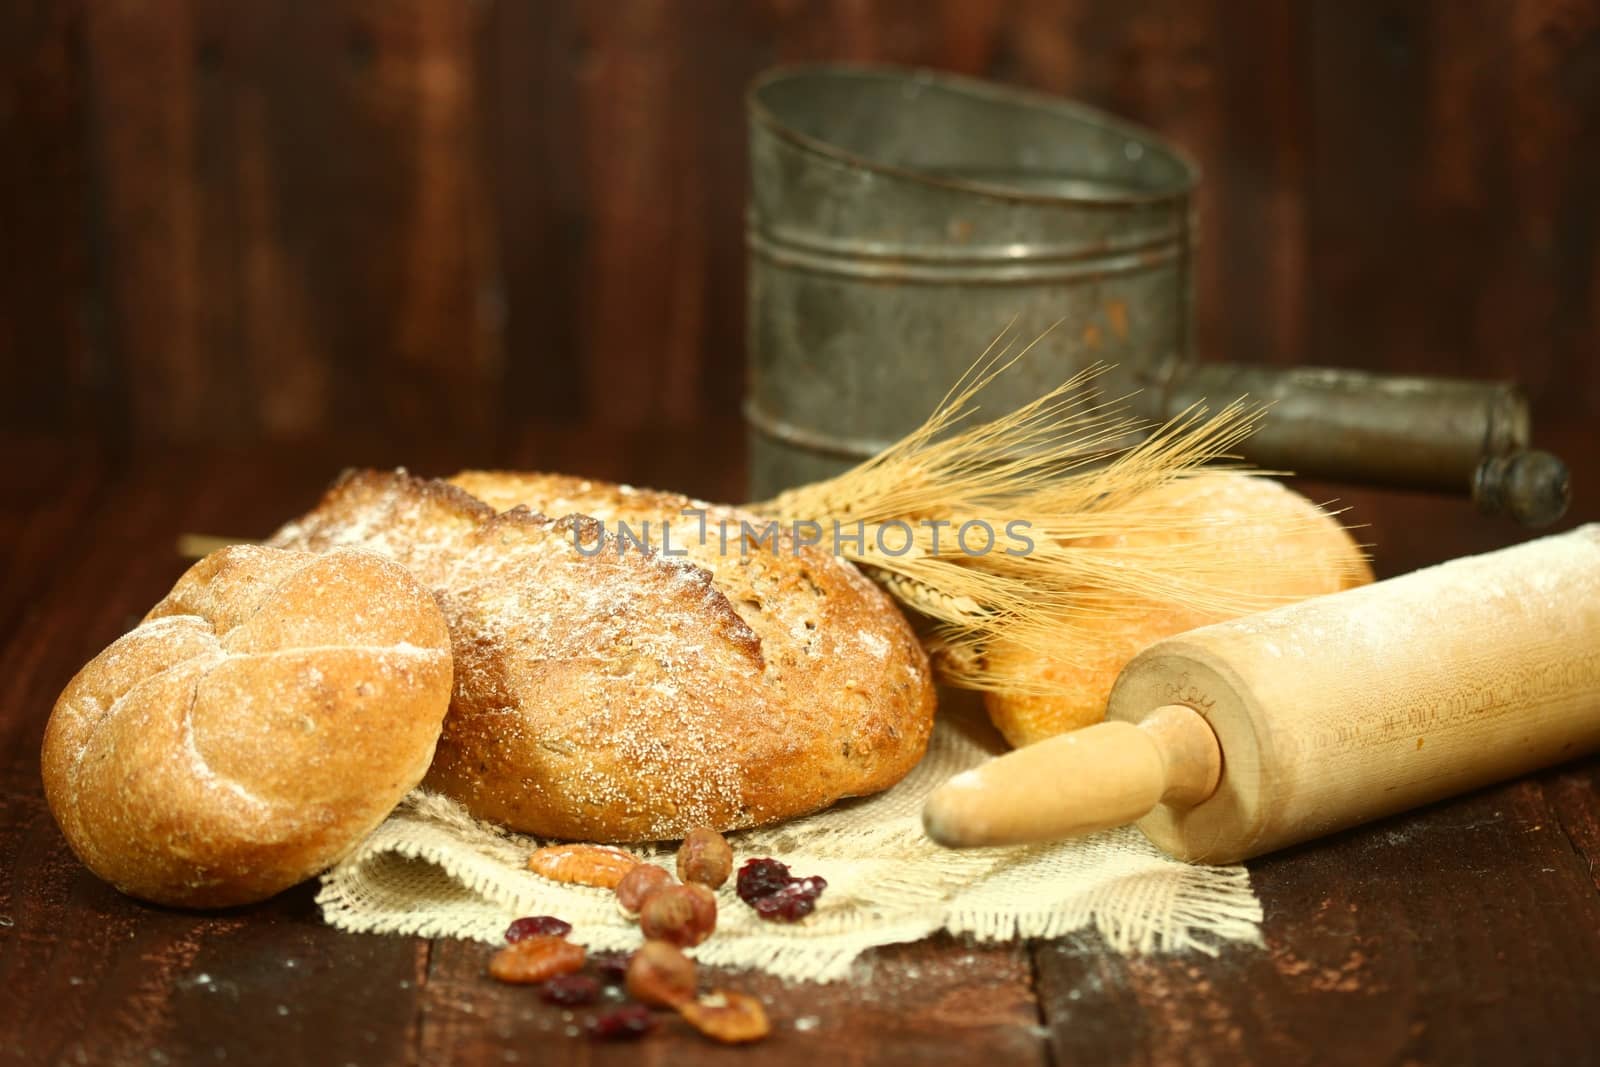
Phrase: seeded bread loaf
x=259 y=722
x=632 y=695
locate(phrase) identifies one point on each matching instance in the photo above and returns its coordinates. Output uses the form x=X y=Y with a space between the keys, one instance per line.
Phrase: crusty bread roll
x=631 y=696
x=1263 y=525
x=259 y=722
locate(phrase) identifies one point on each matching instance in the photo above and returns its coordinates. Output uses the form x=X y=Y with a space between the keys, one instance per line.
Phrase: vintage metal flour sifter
x=899 y=219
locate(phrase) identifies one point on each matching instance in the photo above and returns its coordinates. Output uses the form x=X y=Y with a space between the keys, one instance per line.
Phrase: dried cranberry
x=784 y=905
x=537 y=926
x=612 y=967
x=570 y=990
x=627 y=1023
x=793 y=902
x=761 y=877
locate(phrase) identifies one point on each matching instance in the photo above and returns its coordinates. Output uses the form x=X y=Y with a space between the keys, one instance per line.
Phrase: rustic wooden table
x=1465 y=933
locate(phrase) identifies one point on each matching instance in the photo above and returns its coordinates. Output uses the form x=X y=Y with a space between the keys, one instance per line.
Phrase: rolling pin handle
x=1107 y=775
x=1190 y=751
x=1532 y=487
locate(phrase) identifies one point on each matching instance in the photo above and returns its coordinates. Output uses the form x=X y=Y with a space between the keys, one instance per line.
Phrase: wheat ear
x=1063 y=465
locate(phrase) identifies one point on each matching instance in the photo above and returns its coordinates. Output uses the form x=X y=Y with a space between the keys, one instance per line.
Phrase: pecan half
x=536 y=959
x=596 y=865
x=732 y=1018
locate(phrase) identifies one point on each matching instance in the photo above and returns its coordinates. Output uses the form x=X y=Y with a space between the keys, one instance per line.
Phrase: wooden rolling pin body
x=1325 y=713
x=1345 y=708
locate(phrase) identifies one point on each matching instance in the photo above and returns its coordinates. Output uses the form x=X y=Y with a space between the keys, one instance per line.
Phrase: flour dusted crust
x=1265 y=525
x=631 y=696
x=260 y=721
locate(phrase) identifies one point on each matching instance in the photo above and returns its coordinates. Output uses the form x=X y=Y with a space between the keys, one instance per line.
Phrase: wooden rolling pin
x=1240 y=738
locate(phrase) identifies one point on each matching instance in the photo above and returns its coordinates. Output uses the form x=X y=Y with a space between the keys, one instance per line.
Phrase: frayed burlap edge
x=431 y=870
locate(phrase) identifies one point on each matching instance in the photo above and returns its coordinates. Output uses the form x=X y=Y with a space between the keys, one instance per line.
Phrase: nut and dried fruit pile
x=672 y=915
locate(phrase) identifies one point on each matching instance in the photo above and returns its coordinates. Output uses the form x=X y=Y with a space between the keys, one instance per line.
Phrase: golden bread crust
x=1251 y=513
x=632 y=695
x=260 y=721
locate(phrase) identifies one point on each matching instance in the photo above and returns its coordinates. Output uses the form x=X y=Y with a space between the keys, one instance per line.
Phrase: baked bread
x=259 y=722
x=1278 y=545
x=633 y=695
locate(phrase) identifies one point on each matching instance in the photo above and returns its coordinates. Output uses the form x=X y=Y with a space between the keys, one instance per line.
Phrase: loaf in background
x=1274 y=545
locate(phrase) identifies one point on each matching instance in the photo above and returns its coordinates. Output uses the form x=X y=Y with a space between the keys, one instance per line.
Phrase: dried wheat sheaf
x=1064 y=466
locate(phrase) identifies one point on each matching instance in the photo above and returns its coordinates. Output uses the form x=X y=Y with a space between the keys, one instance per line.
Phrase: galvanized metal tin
x=900 y=220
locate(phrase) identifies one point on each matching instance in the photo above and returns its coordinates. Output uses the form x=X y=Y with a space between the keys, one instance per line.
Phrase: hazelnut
x=661 y=975
x=705 y=858
x=682 y=914
x=732 y=1018
x=638 y=884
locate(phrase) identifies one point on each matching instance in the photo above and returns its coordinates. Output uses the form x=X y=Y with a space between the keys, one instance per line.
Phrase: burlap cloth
x=432 y=870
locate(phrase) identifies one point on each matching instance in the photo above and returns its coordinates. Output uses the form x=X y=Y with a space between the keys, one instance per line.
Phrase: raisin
x=612 y=967
x=570 y=990
x=761 y=877
x=537 y=926
x=790 y=904
x=627 y=1023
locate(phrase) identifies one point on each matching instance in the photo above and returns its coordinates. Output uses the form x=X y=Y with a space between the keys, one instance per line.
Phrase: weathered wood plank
x=706 y=463
x=1463 y=933
x=160 y=258
x=49 y=491
x=273 y=984
x=933 y=1002
x=308 y=217
x=1573 y=794
x=50 y=360
x=533 y=66
x=296 y=236
x=1452 y=223
x=440 y=364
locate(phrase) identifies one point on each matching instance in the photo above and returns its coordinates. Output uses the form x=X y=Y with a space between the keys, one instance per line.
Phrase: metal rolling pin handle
x=1530 y=486
x=1437 y=434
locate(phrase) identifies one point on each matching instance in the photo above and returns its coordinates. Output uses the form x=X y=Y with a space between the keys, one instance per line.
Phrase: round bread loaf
x=631 y=691
x=259 y=722
x=1277 y=546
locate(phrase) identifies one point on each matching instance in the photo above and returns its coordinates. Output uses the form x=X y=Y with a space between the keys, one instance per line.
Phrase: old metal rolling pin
x=1442 y=434
x=1247 y=736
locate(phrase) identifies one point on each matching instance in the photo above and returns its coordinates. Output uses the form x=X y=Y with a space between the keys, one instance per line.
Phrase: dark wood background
x=455 y=219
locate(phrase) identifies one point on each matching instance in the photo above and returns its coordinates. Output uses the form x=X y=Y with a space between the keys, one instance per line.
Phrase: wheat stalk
x=1062 y=465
